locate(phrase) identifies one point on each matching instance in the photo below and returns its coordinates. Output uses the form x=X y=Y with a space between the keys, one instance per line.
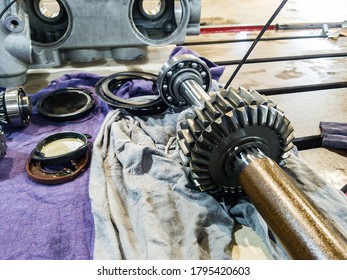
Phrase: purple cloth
x=40 y=221
x=135 y=88
x=334 y=135
x=54 y=222
x=216 y=71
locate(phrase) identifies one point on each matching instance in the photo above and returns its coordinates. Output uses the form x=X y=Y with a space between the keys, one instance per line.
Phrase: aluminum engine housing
x=32 y=36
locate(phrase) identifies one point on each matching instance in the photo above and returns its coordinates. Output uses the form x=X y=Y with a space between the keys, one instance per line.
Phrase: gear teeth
x=203 y=118
x=288 y=147
x=223 y=105
x=202 y=150
x=262 y=115
x=206 y=185
x=252 y=115
x=284 y=126
x=212 y=110
x=278 y=122
x=206 y=139
x=235 y=100
x=290 y=138
x=223 y=125
x=286 y=129
x=232 y=120
x=242 y=116
x=199 y=159
x=271 y=117
x=187 y=136
x=194 y=127
x=218 y=130
x=213 y=134
x=261 y=100
x=184 y=159
x=198 y=168
x=184 y=147
x=249 y=98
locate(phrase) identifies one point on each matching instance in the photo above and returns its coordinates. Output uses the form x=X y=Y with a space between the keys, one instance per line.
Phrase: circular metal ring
x=61 y=148
x=18 y=107
x=65 y=104
x=106 y=88
x=14 y=23
x=176 y=68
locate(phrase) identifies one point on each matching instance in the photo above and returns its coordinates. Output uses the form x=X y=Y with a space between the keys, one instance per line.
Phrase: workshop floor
x=259 y=11
x=304 y=110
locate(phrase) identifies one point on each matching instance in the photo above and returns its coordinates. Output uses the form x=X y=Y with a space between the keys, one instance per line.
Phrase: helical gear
x=228 y=123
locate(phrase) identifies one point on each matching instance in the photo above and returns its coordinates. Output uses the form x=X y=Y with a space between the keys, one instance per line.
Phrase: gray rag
x=143 y=209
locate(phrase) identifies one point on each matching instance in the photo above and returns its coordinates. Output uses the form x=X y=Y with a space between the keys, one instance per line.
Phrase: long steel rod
x=300 y=226
x=255 y=42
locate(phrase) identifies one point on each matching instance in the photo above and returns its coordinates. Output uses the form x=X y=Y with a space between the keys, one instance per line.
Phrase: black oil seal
x=106 y=88
x=66 y=104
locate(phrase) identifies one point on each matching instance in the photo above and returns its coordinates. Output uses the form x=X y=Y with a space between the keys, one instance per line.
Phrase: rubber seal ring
x=37 y=171
x=65 y=158
x=66 y=104
x=106 y=87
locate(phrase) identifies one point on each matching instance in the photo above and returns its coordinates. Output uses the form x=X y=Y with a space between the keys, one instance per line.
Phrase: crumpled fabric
x=143 y=209
x=334 y=135
x=141 y=204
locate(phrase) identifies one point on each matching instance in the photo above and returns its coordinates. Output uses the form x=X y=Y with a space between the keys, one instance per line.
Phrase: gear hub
x=221 y=125
x=234 y=141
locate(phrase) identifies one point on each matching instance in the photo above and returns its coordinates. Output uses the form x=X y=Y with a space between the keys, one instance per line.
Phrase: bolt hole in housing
x=159 y=22
x=49 y=21
x=14 y=23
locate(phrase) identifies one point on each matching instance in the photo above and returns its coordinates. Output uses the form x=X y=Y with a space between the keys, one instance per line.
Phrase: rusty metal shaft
x=300 y=226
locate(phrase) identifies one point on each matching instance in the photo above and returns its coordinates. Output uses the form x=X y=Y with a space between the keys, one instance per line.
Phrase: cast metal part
x=34 y=36
x=15 y=107
x=234 y=141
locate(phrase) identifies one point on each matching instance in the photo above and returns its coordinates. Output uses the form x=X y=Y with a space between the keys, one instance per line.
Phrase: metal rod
x=255 y=43
x=283 y=58
x=242 y=28
x=302 y=88
x=212 y=42
x=193 y=93
x=300 y=226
